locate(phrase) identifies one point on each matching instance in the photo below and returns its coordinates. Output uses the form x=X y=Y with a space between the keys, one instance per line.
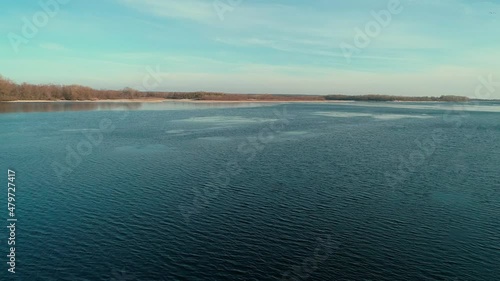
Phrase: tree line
x=449 y=98
x=10 y=91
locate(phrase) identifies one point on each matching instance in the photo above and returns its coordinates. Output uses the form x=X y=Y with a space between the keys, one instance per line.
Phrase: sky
x=406 y=47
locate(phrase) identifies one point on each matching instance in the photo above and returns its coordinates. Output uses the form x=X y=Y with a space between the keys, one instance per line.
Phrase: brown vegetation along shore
x=10 y=91
x=155 y=100
x=94 y=100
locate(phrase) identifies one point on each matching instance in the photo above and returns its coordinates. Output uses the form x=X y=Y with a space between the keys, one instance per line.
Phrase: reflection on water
x=9 y=107
x=12 y=107
x=484 y=106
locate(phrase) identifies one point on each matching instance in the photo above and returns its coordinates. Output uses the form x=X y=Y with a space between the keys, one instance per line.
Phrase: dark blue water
x=355 y=191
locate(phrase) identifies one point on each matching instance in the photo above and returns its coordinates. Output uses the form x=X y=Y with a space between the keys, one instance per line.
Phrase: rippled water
x=173 y=191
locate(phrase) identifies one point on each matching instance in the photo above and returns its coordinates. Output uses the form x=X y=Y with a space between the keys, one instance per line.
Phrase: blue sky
x=429 y=47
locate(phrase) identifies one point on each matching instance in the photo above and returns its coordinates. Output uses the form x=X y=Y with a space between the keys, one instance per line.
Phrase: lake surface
x=316 y=191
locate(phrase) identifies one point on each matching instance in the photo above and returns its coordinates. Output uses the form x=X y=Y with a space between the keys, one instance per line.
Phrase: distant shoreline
x=12 y=92
x=154 y=100
x=157 y=100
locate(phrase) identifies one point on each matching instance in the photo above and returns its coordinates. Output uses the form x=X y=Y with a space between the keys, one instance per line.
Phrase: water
x=183 y=191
